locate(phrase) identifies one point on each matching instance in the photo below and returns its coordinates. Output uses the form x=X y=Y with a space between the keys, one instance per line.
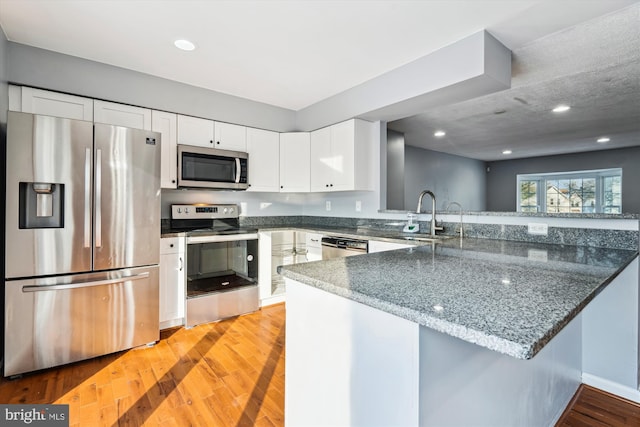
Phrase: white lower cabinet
x=314 y=246
x=278 y=248
x=172 y=276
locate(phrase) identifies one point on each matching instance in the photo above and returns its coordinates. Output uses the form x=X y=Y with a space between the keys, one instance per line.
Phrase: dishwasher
x=338 y=247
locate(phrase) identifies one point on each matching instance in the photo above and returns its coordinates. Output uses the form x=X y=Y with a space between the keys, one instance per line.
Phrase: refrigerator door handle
x=87 y=198
x=237 y=170
x=98 y=212
x=42 y=288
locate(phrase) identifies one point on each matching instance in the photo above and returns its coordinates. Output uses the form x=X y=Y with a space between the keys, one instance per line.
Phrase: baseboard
x=272 y=300
x=171 y=323
x=611 y=387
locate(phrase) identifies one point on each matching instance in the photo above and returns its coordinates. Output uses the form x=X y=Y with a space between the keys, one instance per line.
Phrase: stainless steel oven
x=221 y=261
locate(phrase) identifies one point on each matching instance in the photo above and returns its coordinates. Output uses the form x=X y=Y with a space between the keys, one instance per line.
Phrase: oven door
x=222 y=277
x=211 y=168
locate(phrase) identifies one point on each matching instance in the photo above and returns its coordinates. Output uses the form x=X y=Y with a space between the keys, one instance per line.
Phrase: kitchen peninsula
x=463 y=332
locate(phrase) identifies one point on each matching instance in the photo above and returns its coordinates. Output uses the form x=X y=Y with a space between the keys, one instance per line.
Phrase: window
x=595 y=191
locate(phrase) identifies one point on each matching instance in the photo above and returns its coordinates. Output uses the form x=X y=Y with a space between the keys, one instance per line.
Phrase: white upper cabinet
x=230 y=137
x=321 y=160
x=195 y=131
x=263 y=147
x=166 y=124
x=116 y=114
x=294 y=162
x=38 y=101
x=341 y=157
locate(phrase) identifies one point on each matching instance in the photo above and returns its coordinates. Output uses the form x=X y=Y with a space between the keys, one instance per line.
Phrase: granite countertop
x=510 y=297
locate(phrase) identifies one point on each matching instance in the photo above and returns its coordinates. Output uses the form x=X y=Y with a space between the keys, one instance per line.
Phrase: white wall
x=610 y=337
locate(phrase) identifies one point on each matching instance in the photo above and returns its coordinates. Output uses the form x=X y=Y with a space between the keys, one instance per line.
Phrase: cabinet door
x=166 y=125
x=37 y=101
x=172 y=296
x=321 y=161
x=195 y=131
x=112 y=113
x=294 y=162
x=264 y=160
x=230 y=137
x=342 y=156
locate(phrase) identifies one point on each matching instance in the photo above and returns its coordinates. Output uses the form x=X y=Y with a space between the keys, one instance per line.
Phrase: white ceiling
x=286 y=53
x=295 y=53
x=594 y=67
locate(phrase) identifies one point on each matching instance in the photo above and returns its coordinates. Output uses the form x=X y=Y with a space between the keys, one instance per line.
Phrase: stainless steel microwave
x=201 y=167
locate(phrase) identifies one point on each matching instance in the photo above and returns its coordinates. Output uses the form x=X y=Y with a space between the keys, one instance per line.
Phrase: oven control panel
x=202 y=211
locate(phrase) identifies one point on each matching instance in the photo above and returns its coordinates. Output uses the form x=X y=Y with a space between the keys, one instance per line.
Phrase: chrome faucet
x=433 y=227
x=460 y=207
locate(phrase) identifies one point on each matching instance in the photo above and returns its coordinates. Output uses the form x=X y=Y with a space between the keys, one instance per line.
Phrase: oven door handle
x=66 y=286
x=221 y=238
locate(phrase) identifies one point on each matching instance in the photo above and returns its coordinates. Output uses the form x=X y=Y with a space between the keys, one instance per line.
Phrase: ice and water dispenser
x=41 y=205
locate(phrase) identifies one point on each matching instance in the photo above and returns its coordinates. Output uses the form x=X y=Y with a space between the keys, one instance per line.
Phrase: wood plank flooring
x=229 y=373
x=591 y=407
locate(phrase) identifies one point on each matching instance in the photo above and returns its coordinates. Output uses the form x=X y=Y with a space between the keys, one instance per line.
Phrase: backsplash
x=603 y=238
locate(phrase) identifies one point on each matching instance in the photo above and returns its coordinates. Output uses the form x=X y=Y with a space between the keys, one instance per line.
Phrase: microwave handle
x=237 y=170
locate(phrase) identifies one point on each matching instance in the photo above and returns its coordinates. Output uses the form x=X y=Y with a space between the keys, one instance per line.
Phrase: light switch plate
x=327 y=205
x=538 y=228
x=358 y=206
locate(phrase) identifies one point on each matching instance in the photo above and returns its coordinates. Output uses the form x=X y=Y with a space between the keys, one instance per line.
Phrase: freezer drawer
x=220 y=305
x=58 y=320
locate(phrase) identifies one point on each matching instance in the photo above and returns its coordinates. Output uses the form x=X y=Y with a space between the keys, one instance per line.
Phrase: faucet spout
x=433 y=227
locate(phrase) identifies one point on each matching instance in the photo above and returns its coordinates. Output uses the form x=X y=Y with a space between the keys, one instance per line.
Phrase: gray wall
x=45 y=69
x=451 y=178
x=501 y=180
x=395 y=170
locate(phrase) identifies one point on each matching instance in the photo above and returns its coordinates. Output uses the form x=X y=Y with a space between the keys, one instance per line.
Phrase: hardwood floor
x=229 y=373
x=592 y=407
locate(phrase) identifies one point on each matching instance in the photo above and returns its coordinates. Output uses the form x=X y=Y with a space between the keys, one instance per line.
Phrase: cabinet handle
x=282 y=186
x=173 y=181
x=170 y=245
x=218 y=142
x=180 y=269
x=330 y=185
x=326 y=185
x=211 y=142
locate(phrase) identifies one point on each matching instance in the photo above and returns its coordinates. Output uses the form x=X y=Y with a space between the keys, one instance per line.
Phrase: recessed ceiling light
x=603 y=140
x=439 y=133
x=561 y=109
x=184 y=44
x=438 y=307
x=507 y=152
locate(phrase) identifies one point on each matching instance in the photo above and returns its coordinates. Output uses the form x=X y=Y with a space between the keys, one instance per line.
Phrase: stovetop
x=206 y=220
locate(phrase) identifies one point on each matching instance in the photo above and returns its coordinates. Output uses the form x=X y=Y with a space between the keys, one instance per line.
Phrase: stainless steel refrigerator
x=82 y=240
